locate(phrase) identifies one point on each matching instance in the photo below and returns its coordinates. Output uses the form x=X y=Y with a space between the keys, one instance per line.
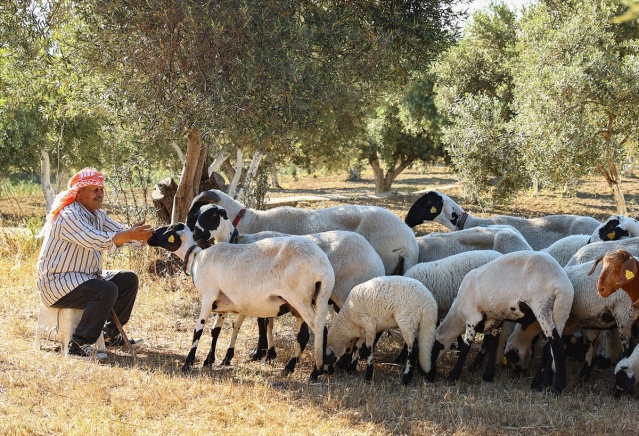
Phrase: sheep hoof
x=271 y=354
x=290 y=366
x=257 y=354
x=406 y=378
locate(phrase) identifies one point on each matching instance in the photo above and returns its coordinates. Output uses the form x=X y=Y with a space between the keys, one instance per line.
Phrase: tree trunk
x=45 y=179
x=219 y=159
x=178 y=150
x=275 y=181
x=609 y=171
x=252 y=170
x=383 y=182
x=239 y=163
x=190 y=178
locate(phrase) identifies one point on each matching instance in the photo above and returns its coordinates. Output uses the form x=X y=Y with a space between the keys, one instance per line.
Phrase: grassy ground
x=43 y=393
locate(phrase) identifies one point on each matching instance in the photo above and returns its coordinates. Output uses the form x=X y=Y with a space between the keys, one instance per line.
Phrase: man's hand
x=138 y=232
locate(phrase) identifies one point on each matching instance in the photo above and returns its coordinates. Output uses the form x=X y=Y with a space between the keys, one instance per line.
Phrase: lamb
x=538 y=232
x=353 y=259
x=564 y=249
x=615 y=228
x=588 y=311
x=264 y=279
x=393 y=241
x=380 y=304
x=522 y=287
x=504 y=239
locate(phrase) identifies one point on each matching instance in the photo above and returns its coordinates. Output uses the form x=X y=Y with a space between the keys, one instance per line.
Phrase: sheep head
x=169 y=237
x=203 y=198
x=434 y=206
x=619 y=268
x=212 y=224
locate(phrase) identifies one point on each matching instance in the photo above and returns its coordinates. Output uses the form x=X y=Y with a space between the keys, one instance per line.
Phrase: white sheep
x=439 y=245
x=522 y=287
x=615 y=228
x=564 y=249
x=588 y=311
x=595 y=250
x=380 y=304
x=353 y=259
x=263 y=279
x=393 y=241
x=443 y=277
x=539 y=232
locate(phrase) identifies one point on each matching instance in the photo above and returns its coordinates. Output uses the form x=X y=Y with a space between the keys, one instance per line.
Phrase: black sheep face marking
x=426 y=208
x=208 y=219
x=167 y=237
x=612 y=232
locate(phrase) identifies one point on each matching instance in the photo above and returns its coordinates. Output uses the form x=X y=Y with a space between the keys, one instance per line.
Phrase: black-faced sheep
x=615 y=228
x=263 y=279
x=353 y=259
x=393 y=241
x=538 y=232
x=522 y=287
x=439 y=245
x=380 y=304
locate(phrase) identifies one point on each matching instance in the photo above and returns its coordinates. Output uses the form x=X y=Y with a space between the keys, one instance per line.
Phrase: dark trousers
x=97 y=297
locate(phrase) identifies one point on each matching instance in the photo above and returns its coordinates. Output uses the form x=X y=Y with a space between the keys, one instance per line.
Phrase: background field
x=42 y=393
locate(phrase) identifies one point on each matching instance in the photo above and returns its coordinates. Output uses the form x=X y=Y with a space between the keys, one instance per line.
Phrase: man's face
x=90 y=197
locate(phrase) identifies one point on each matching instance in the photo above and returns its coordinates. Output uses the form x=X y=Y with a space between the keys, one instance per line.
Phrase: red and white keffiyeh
x=86 y=177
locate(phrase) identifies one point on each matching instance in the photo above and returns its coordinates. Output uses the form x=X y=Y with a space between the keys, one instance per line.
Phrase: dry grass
x=42 y=393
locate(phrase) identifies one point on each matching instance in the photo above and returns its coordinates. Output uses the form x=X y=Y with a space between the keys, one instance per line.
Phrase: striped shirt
x=72 y=249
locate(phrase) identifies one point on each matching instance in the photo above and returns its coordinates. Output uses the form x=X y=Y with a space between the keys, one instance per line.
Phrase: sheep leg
x=205 y=313
x=591 y=347
x=261 y=348
x=271 y=353
x=434 y=357
x=463 y=352
x=346 y=358
x=559 y=359
x=491 y=340
x=411 y=361
x=215 y=334
x=358 y=353
x=230 y=351
x=537 y=382
x=302 y=339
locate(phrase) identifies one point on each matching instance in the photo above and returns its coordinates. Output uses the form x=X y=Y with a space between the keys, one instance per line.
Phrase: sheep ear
x=595 y=265
x=629 y=269
x=223 y=213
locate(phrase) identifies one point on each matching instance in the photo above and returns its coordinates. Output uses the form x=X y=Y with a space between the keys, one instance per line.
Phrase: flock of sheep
x=512 y=279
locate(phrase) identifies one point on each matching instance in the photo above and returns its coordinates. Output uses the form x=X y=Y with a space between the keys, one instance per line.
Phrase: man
x=69 y=272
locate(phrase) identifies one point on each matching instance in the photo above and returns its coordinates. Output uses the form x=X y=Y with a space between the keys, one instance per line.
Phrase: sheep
x=504 y=239
x=353 y=259
x=595 y=250
x=619 y=270
x=522 y=287
x=264 y=279
x=564 y=249
x=443 y=277
x=615 y=228
x=538 y=232
x=383 y=303
x=625 y=374
x=588 y=311
x=394 y=242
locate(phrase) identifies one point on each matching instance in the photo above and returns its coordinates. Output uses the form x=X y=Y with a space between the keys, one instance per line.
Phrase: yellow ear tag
x=433 y=210
x=504 y=360
x=573 y=340
x=171 y=239
x=611 y=236
x=629 y=275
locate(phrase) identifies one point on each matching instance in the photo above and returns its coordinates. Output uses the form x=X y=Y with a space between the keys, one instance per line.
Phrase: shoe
x=118 y=341
x=83 y=352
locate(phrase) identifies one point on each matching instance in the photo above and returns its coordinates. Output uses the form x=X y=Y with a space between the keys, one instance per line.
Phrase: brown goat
x=619 y=270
